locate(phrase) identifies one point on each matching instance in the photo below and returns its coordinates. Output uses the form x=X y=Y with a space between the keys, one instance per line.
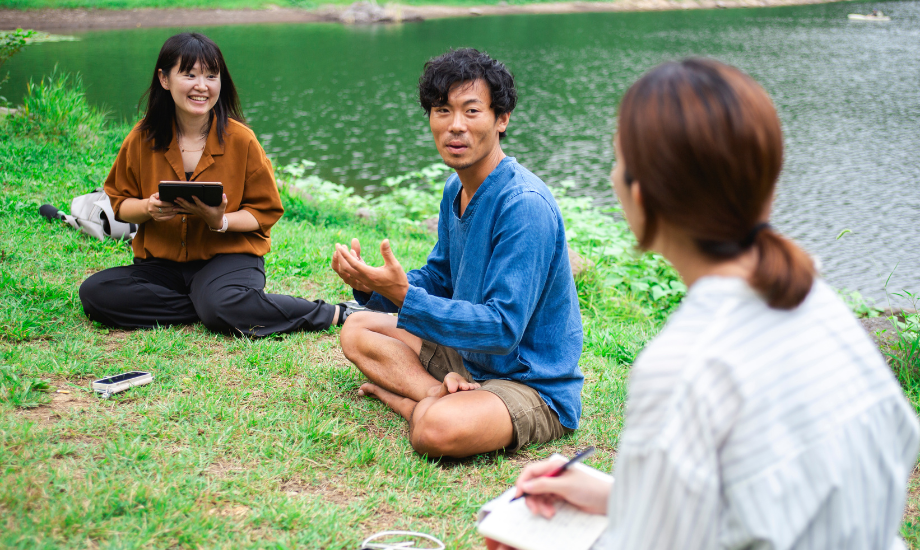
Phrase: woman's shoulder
x=135 y=134
x=239 y=133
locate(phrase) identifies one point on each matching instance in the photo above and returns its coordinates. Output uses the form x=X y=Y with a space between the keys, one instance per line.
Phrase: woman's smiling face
x=195 y=92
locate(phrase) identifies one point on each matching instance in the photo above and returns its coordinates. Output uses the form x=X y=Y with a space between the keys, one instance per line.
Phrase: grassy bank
x=234 y=4
x=247 y=443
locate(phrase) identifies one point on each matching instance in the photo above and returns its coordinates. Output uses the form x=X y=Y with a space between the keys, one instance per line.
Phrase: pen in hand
x=561 y=469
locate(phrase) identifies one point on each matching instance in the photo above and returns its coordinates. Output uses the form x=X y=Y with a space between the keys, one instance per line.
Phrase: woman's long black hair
x=186 y=49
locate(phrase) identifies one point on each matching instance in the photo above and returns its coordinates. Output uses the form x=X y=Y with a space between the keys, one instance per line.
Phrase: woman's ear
x=164 y=80
x=635 y=191
x=636 y=216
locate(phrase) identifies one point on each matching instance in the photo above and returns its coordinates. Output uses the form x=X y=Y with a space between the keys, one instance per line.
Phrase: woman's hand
x=580 y=489
x=160 y=211
x=212 y=215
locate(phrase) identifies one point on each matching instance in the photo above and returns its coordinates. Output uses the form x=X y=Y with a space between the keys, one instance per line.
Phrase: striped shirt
x=750 y=427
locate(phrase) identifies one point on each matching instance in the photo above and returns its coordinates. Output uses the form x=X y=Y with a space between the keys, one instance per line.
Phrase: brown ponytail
x=704 y=141
x=784 y=271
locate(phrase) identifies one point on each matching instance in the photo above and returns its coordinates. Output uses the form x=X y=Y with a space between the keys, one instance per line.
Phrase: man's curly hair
x=466 y=65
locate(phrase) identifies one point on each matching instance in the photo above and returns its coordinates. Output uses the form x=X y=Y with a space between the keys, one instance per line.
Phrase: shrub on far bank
x=55 y=108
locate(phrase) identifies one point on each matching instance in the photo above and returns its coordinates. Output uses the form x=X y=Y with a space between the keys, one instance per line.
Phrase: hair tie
x=752 y=236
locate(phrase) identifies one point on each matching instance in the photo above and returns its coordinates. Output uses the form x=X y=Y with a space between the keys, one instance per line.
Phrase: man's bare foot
x=452 y=383
x=369 y=390
x=402 y=405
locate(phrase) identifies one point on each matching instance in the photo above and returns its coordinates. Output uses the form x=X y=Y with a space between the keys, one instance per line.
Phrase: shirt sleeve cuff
x=412 y=304
x=360 y=297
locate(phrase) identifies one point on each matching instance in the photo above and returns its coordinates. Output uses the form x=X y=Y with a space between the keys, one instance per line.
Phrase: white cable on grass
x=370 y=545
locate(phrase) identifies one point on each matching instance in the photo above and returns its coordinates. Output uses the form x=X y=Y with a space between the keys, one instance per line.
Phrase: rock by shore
x=358 y=13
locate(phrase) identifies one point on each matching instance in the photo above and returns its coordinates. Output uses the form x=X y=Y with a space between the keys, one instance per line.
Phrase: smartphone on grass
x=121 y=382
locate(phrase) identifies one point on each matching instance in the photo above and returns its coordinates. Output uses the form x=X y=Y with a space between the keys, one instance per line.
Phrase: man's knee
x=436 y=433
x=352 y=335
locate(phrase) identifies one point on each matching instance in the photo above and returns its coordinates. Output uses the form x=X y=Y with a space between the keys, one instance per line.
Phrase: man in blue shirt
x=484 y=353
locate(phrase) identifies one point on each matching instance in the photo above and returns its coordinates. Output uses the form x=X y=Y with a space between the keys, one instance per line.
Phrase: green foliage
x=904 y=351
x=412 y=197
x=859 y=304
x=55 y=108
x=11 y=42
x=623 y=282
x=22 y=392
x=318 y=201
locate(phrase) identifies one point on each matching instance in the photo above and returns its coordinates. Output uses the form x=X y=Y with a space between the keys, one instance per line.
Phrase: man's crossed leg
x=446 y=415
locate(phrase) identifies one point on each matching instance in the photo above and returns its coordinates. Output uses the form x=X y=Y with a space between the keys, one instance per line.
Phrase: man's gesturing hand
x=389 y=280
x=337 y=262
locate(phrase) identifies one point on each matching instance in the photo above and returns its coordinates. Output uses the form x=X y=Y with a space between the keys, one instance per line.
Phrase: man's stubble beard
x=458 y=164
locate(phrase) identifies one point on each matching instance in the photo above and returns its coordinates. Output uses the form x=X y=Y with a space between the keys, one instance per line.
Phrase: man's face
x=466 y=129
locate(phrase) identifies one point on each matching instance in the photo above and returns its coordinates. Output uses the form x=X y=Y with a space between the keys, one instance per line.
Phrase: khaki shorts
x=532 y=420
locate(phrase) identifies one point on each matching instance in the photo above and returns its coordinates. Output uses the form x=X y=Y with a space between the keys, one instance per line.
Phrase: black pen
x=558 y=471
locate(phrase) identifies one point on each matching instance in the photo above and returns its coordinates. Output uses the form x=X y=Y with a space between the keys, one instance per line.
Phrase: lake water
x=848 y=94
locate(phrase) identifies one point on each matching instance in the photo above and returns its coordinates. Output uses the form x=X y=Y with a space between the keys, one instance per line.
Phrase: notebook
x=513 y=524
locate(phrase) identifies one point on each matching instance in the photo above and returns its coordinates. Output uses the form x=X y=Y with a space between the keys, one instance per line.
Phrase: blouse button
x=183 y=244
x=183 y=219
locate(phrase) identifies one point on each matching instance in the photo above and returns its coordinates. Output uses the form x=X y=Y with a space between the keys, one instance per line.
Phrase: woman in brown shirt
x=194 y=262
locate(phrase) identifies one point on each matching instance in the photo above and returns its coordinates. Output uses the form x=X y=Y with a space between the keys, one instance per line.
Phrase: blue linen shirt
x=509 y=307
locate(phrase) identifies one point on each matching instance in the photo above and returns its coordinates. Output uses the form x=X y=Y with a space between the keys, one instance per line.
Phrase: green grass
x=232 y=4
x=238 y=443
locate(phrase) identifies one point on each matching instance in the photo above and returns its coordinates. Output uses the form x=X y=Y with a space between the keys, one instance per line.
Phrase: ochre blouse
x=239 y=164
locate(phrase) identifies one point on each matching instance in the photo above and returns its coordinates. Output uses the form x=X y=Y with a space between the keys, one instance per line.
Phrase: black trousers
x=225 y=293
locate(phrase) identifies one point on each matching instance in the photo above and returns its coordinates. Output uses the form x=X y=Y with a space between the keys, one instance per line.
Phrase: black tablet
x=209 y=192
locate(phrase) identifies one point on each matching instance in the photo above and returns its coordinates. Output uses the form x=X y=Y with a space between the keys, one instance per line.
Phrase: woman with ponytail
x=762 y=416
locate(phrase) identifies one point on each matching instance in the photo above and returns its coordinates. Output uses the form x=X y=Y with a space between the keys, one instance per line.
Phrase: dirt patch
x=225 y=469
x=330 y=490
x=86 y=19
x=912 y=506
x=238 y=511
x=65 y=399
x=114 y=340
x=386 y=518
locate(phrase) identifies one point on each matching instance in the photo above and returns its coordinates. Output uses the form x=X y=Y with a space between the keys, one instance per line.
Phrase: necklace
x=184 y=150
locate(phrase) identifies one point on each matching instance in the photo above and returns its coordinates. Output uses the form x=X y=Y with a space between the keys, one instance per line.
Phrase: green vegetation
x=244 y=443
x=904 y=349
x=23 y=393
x=230 y=4
x=904 y=357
